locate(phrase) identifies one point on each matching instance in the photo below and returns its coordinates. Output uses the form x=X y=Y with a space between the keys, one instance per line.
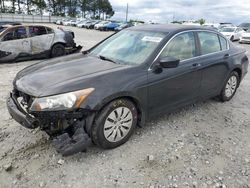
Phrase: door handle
x=226 y=56
x=196 y=65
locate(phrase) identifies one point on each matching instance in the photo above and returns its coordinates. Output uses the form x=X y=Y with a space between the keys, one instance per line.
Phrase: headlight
x=66 y=101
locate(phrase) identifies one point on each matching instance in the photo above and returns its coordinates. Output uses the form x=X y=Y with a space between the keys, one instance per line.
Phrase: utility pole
x=127 y=13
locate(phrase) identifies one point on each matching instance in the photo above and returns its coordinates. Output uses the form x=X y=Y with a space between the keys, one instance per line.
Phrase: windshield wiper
x=106 y=59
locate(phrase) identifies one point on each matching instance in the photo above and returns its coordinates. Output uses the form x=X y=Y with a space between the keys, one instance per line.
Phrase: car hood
x=59 y=75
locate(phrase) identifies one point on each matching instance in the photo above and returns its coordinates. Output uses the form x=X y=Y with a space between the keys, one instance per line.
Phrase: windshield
x=129 y=47
x=227 y=29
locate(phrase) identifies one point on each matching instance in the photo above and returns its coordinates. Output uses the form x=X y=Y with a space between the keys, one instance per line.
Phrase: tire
x=58 y=50
x=232 y=38
x=230 y=87
x=121 y=116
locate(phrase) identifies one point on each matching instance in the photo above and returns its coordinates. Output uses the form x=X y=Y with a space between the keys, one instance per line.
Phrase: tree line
x=98 y=9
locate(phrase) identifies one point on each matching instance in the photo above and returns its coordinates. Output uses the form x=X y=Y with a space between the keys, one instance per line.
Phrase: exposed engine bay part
x=67 y=144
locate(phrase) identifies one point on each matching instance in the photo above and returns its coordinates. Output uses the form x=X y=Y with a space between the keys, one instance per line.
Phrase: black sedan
x=130 y=77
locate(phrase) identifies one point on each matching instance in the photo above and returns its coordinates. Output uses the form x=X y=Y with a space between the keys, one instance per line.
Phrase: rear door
x=14 y=44
x=214 y=59
x=41 y=38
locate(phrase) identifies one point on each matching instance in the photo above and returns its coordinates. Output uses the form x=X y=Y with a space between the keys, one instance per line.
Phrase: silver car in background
x=245 y=38
x=35 y=41
x=232 y=33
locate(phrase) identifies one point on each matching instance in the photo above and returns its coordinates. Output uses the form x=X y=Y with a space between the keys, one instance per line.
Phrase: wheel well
x=238 y=70
x=134 y=101
x=58 y=43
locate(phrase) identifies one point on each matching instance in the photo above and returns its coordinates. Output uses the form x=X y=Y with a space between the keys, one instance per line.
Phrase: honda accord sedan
x=102 y=94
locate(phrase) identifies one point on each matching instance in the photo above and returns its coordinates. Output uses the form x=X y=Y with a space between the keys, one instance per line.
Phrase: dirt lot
x=203 y=145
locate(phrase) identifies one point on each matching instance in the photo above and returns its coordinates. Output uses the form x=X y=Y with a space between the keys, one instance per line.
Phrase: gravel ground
x=203 y=145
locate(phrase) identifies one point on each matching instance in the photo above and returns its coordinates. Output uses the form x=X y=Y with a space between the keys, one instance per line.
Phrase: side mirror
x=169 y=62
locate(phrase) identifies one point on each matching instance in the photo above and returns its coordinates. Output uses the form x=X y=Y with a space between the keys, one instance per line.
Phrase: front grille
x=247 y=38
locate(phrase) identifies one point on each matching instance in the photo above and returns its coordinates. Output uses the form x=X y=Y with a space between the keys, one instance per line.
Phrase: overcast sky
x=235 y=11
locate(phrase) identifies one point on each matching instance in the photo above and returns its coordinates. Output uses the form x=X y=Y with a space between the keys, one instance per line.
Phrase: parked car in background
x=123 y=26
x=76 y=23
x=79 y=24
x=225 y=25
x=83 y=23
x=100 y=25
x=245 y=26
x=232 y=33
x=35 y=41
x=92 y=24
x=111 y=26
x=73 y=22
x=245 y=38
x=211 y=25
x=69 y=22
x=58 y=22
x=160 y=68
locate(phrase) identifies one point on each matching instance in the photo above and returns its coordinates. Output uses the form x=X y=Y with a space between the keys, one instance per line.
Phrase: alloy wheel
x=231 y=86
x=118 y=124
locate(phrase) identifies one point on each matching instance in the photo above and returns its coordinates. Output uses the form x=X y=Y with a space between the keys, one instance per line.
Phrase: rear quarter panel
x=58 y=37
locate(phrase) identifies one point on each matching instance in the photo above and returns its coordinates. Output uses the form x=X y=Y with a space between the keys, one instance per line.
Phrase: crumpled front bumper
x=18 y=114
x=65 y=143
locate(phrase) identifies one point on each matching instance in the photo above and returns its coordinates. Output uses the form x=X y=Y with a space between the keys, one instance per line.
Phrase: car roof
x=169 y=28
x=9 y=27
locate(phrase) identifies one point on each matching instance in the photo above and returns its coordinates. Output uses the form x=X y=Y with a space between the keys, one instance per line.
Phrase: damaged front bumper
x=66 y=129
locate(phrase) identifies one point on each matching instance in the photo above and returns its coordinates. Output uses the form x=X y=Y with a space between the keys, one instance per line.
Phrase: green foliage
x=95 y=8
x=201 y=21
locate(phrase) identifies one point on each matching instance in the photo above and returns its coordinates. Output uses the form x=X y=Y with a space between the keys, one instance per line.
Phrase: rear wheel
x=58 y=50
x=231 y=86
x=115 y=124
x=232 y=38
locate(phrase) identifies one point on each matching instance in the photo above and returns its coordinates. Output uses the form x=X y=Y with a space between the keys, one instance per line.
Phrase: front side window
x=209 y=42
x=37 y=31
x=129 y=47
x=223 y=43
x=16 y=34
x=181 y=47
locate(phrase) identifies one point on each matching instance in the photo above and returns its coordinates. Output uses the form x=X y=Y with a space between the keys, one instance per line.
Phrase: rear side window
x=37 y=31
x=223 y=43
x=16 y=34
x=181 y=47
x=209 y=42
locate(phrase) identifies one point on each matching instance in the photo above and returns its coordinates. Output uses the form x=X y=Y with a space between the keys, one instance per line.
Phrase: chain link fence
x=28 y=18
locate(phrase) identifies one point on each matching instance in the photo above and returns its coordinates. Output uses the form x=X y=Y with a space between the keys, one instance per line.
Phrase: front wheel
x=232 y=38
x=114 y=124
x=231 y=87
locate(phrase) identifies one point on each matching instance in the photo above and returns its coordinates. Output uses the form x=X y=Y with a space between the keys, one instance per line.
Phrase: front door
x=174 y=87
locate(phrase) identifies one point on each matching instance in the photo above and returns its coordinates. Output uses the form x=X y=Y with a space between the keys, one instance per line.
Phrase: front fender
x=96 y=103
